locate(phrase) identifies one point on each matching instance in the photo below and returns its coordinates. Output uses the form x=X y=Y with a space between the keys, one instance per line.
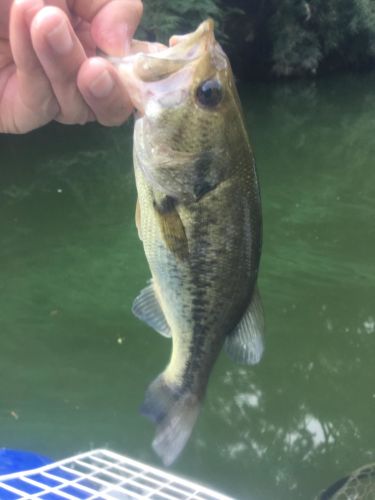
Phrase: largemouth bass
x=199 y=218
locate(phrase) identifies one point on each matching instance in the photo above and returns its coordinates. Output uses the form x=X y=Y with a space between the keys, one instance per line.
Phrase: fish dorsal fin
x=245 y=344
x=146 y=307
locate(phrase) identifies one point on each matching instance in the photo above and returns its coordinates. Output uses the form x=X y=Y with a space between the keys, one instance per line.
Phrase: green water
x=74 y=362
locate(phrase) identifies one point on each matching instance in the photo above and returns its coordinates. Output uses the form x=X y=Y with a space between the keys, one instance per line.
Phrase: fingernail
x=116 y=38
x=102 y=85
x=60 y=39
x=119 y=37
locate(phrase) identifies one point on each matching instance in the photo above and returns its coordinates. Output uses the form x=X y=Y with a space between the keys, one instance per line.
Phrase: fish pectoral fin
x=171 y=227
x=174 y=235
x=146 y=307
x=245 y=344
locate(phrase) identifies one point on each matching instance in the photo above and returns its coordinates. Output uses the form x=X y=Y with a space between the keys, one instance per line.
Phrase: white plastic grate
x=101 y=475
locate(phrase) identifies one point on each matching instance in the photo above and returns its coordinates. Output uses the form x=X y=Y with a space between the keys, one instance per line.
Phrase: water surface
x=74 y=362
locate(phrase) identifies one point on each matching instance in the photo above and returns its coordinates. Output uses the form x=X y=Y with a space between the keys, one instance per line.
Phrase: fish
x=199 y=218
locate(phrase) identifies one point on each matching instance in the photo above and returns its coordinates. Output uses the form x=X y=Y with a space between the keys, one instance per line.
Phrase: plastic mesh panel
x=101 y=475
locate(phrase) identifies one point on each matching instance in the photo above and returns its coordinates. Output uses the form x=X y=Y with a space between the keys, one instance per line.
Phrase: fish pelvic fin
x=174 y=414
x=146 y=307
x=245 y=344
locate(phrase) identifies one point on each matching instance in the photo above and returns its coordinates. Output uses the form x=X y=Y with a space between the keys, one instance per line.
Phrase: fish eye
x=209 y=93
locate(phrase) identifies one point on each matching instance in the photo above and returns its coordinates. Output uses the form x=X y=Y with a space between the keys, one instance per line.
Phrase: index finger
x=113 y=22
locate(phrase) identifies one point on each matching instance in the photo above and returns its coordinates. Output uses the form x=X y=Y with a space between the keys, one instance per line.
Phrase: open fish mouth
x=182 y=50
x=152 y=66
x=153 y=75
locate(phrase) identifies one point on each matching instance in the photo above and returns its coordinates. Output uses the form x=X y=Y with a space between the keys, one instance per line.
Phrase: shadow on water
x=74 y=363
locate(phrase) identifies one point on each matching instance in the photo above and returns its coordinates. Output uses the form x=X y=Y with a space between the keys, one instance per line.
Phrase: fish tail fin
x=174 y=414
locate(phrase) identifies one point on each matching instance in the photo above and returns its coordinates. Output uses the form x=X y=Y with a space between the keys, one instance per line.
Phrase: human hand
x=47 y=66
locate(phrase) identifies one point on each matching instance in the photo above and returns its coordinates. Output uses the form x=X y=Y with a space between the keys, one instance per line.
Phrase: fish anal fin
x=245 y=344
x=174 y=415
x=146 y=307
x=171 y=227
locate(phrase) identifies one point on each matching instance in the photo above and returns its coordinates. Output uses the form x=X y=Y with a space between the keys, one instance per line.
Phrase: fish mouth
x=166 y=75
x=182 y=51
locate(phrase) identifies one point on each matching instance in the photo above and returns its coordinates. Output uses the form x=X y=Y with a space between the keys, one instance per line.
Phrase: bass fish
x=199 y=217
